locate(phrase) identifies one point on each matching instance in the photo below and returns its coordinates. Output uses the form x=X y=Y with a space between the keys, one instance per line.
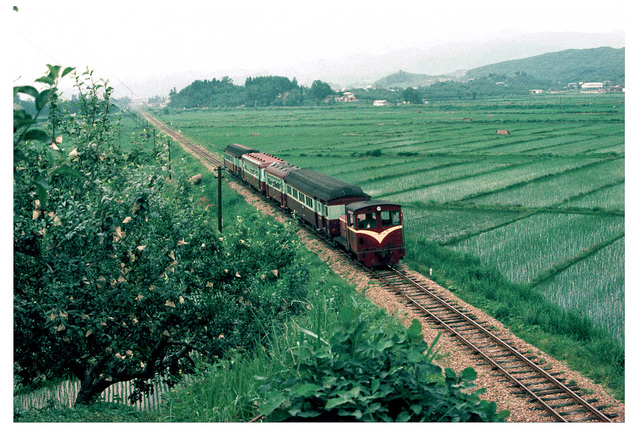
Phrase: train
x=370 y=230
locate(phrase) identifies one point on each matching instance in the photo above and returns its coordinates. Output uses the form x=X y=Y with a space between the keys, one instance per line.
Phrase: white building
x=381 y=103
x=589 y=86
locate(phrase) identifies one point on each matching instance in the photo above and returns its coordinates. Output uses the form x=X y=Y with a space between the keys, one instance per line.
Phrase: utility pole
x=220 y=199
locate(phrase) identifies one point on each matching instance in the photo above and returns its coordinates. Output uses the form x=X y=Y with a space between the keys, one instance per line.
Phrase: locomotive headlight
x=378 y=208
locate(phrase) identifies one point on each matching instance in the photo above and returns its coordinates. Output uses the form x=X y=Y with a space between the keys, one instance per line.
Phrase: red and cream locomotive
x=371 y=230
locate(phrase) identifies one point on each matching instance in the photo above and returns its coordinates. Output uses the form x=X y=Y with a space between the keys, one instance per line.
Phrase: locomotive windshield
x=370 y=219
x=389 y=218
x=367 y=220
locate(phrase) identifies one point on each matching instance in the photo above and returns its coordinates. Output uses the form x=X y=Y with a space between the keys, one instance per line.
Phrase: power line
x=126 y=111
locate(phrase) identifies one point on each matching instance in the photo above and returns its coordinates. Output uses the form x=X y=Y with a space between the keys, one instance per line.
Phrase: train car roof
x=261 y=159
x=324 y=187
x=359 y=205
x=280 y=169
x=239 y=150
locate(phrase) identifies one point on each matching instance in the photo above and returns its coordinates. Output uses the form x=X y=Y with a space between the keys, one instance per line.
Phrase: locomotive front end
x=372 y=231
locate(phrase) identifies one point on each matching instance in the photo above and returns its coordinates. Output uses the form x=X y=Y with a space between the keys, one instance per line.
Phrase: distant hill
x=402 y=79
x=572 y=65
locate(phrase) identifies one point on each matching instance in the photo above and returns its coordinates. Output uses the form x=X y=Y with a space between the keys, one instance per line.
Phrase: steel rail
x=599 y=415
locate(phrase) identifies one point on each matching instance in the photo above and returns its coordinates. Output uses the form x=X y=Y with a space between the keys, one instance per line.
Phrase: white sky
x=135 y=39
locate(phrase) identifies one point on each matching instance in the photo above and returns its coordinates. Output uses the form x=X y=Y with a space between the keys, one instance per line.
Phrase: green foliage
x=259 y=91
x=272 y=90
x=491 y=85
x=320 y=90
x=30 y=141
x=365 y=374
x=572 y=65
x=411 y=95
x=99 y=412
x=207 y=94
x=120 y=276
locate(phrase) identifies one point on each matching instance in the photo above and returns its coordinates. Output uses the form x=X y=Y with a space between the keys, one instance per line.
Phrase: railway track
x=208 y=158
x=558 y=400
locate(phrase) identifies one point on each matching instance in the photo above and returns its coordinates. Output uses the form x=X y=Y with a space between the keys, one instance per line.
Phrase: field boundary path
x=454 y=353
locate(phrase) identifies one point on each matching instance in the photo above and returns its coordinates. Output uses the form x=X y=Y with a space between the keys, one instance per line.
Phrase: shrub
x=365 y=374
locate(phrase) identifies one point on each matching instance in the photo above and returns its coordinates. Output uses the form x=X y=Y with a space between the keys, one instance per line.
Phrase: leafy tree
x=266 y=90
x=411 y=95
x=320 y=90
x=119 y=277
x=207 y=94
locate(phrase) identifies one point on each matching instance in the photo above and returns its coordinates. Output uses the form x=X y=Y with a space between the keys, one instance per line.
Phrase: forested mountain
x=572 y=65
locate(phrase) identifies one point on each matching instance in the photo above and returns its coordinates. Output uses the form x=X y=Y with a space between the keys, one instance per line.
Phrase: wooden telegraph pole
x=220 y=199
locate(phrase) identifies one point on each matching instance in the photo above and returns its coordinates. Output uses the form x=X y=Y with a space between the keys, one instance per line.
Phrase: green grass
x=100 y=412
x=521 y=250
x=584 y=290
x=530 y=203
x=558 y=188
x=609 y=197
x=437 y=224
x=229 y=390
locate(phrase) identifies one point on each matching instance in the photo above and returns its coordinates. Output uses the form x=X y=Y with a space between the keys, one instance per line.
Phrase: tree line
x=266 y=91
x=260 y=91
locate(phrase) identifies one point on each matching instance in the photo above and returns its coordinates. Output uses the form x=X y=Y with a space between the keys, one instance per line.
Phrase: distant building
x=381 y=103
x=536 y=91
x=592 y=86
x=348 y=97
x=572 y=86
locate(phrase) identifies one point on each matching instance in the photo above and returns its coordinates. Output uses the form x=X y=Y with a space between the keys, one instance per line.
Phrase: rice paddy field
x=543 y=204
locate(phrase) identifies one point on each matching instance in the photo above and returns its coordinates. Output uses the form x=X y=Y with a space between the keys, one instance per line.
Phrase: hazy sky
x=125 y=41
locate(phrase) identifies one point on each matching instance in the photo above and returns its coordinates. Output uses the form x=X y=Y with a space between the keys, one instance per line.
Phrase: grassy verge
x=229 y=391
x=100 y=412
x=561 y=334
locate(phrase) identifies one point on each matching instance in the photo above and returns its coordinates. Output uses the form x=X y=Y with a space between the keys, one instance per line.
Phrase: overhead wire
x=125 y=110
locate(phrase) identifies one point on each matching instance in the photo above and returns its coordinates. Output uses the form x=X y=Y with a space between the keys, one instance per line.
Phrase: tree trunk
x=90 y=389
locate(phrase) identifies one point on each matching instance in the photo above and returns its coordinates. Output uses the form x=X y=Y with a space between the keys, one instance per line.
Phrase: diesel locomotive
x=371 y=230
